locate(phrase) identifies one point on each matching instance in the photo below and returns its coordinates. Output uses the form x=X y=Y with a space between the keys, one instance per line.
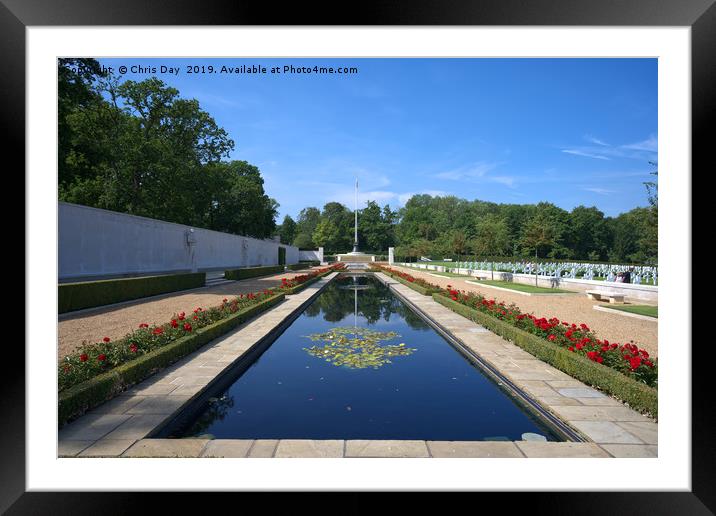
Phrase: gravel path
x=576 y=308
x=116 y=321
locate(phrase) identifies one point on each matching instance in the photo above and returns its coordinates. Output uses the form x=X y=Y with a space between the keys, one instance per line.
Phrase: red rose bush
x=92 y=359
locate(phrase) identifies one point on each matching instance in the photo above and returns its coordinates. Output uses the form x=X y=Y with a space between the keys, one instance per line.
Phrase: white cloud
x=596 y=141
x=469 y=171
x=651 y=144
x=504 y=180
x=585 y=154
x=600 y=150
x=601 y=191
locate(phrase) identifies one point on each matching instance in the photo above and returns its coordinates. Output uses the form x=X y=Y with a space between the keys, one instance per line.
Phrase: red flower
x=133 y=347
x=102 y=357
x=144 y=325
x=181 y=316
x=83 y=357
x=158 y=330
x=174 y=323
x=187 y=326
x=106 y=339
x=570 y=348
x=224 y=300
x=551 y=338
x=634 y=362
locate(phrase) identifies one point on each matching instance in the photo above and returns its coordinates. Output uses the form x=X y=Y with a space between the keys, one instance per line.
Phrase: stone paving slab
x=309 y=448
x=263 y=448
x=631 y=450
x=69 y=448
x=386 y=448
x=107 y=448
x=533 y=449
x=606 y=432
x=227 y=448
x=137 y=427
x=93 y=427
x=474 y=449
x=166 y=448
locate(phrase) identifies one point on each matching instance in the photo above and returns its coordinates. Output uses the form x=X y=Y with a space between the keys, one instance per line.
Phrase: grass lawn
x=449 y=274
x=651 y=311
x=524 y=288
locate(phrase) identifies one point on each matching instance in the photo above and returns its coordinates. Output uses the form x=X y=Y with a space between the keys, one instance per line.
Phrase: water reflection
x=375 y=304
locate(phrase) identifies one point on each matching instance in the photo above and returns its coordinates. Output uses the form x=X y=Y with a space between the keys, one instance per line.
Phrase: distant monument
x=356 y=259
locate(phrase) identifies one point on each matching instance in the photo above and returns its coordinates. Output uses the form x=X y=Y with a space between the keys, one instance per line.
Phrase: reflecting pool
x=360 y=364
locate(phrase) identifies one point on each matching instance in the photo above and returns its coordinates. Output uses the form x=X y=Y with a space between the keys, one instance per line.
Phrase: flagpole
x=355 y=239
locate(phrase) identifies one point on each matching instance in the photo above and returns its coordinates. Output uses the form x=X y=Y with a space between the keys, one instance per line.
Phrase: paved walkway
x=575 y=308
x=115 y=321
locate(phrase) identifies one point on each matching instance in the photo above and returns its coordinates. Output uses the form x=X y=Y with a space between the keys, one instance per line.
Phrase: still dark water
x=376 y=373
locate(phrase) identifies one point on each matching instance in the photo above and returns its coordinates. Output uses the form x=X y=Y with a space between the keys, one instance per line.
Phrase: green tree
x=342 y=219
x=539 y=233
x=287 y=230
x=375 y=227
x=76 y=90
x=589 y=236
x=306 y=224
x=328 y=235
x=492 y=237
x=239 y=204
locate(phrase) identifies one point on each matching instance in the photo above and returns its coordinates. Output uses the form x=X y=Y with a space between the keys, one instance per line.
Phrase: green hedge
x=88 y=294
x=76 y=400
x=299 y=266
x=252 y=272
x=424 y=291
x=639 y=396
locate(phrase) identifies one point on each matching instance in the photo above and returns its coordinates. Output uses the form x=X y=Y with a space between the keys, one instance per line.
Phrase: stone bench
x=601 y=296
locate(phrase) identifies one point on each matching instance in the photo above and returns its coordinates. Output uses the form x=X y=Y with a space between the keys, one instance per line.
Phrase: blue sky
x=567 y=131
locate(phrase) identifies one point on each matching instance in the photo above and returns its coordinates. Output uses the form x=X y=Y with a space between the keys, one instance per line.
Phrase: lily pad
x=357 y=348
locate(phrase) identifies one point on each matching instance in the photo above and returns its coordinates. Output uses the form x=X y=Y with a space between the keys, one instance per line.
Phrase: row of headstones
x=647 y=275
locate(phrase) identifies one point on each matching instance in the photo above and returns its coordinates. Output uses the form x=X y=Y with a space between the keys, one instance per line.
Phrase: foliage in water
x=357 y=348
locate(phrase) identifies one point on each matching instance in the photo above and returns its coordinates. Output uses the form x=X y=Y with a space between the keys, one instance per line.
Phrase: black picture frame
x=700 y=15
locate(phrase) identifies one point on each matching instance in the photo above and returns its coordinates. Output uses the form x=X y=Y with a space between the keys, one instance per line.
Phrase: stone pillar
x=320 y=255
x=390 y=255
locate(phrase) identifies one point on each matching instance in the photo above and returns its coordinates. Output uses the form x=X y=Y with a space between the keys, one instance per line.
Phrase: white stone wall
x=311 y=255
x=94 y=242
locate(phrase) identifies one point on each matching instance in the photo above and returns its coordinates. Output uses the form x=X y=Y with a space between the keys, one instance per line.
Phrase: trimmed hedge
x=88 y=294
x=424 y=291
x=638 y=395
x=252 y=272
x=79 y=398
x=300 y=265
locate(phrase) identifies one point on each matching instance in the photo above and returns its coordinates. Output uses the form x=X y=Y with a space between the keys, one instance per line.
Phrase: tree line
x=139 y=148
x=447 y=226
